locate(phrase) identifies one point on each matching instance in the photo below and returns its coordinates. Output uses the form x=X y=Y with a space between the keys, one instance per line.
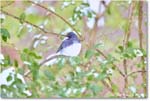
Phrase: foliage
x=4 y=34
x=95 y=73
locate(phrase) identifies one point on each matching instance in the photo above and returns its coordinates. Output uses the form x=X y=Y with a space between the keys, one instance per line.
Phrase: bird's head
x=71 y=35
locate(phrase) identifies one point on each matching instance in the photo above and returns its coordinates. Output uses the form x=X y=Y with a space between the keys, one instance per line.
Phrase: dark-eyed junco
x=70 y=46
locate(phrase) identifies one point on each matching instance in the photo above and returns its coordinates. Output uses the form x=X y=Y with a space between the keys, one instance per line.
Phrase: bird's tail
x=50 y=60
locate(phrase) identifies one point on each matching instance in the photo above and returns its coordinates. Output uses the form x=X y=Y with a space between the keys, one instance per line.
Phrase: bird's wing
x=64 y=44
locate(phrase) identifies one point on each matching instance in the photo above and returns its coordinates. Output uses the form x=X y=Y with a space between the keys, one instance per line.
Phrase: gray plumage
x=72 y=38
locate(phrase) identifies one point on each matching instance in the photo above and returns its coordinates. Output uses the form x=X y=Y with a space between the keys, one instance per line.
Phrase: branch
x=27 y=22
x=112 y=64
x=94 y=30
x=106 y=7
x=111 y=83
x=6 y=3
x=101 y=53
x=134 y=72
x=27 y=73
x=140 y=17
x=107 y=86
x=57 y=16
x=125 y=42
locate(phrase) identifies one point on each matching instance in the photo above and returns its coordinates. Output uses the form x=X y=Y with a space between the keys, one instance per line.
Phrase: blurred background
x=112 y=61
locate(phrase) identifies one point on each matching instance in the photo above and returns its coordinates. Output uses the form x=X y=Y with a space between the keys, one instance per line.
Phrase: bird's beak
x=65 y=38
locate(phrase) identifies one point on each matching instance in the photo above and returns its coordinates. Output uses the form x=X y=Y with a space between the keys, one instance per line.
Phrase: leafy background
x=111 y=64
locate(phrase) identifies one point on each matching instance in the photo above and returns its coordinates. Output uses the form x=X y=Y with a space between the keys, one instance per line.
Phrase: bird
x=70 y=46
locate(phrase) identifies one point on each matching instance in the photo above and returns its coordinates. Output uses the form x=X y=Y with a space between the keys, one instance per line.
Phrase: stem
x=57 y=16
x=140 y=17
x=93 y=33
x=108 y=87
x=125 y=44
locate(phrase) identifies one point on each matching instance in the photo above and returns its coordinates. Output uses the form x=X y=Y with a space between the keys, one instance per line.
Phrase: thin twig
x=108 y=87
x=57 y=16
x=93 y=31
x=8 y=3
x=112 y=64
x=101 y=53
x=111 y=83
x=106 y=7
x=125 y=42
x=27 y=73
x=25 y=21
x=140 y=17
x=134 y=72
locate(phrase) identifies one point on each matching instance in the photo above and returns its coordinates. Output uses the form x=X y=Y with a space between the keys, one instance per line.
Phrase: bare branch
x=110 y=81
x=57 y=16
x=27 y=22
x=6 y=3
x=101 y=53
x=112 y=64
x=134 y=72
x=125 y=42
x=140 y=18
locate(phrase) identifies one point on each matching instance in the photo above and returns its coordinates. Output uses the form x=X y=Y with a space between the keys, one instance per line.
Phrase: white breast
x=72 y=50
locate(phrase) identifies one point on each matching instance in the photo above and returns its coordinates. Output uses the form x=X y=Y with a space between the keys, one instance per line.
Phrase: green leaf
x=35 y=70
x=21 y=31
x=25 y=50
x=7 y=61
x=9 y=78
x=35 y=74
x=121 y=48
x=144 y=52
x=108 y=10
x=1 y=20
x=32 y=53
x=89 y=53
x=98 y=45
x=90 y=77
x=49 y=75
x=20 y=71
x=22 y=17
x=4 y=34
x=74 y=61
x=114 y=88
x=89 y=14
x=77 y=59
x=102 y=76
x=86 y=4
x=130 y=44
x=61 y=63
x=126 y=55
x=95 y=88
x=16 y=63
